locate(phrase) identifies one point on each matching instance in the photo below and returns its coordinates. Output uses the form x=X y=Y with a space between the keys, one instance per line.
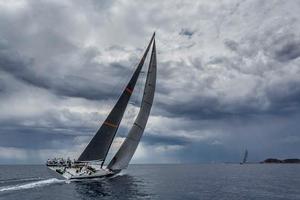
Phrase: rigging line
x=137 y=96
x=116 y=92
x=123 y=80
x=131 y=111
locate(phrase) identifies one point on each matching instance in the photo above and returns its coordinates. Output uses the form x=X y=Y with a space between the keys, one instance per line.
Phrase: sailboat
x=245 y=157
x=90 y=163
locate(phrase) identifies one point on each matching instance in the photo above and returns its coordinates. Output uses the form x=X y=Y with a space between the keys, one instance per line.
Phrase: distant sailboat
x=245 y=157
x=90 y=162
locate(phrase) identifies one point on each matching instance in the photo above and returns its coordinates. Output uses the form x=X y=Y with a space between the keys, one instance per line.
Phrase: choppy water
x=211 y=181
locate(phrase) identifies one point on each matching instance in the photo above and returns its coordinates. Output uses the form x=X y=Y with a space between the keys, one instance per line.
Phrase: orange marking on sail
x=128 y=90
x=110 y=124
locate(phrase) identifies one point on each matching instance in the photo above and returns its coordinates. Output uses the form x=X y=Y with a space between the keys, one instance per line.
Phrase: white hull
x=76 y=173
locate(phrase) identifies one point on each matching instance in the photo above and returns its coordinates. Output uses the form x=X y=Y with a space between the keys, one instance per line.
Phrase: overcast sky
x=228 y=77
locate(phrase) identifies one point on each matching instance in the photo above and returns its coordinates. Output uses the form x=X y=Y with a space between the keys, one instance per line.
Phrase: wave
x=31 y=185
x=122 y=173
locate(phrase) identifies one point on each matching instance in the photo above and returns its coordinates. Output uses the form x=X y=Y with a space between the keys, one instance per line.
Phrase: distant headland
x=285 y=161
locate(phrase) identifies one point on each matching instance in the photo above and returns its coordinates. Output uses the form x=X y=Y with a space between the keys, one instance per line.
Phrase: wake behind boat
x=90 y=162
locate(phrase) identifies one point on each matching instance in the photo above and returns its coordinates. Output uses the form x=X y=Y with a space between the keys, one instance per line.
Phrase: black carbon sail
x=123 y=156
x=99 y=146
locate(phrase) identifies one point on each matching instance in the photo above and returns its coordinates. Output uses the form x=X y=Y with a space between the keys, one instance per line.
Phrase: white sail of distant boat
x=90 y=162
x=245 y=157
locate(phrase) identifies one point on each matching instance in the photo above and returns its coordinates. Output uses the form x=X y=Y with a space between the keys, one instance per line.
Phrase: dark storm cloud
x=44 y=132
x=208 y=153
x=12 y=63
x=165 y=140
x=281 y=98
x=2 y=87
x=284 y=47
x=232 y=45
x=186 y=32
x=213 y=108
x=24 y=69
x=285 y=98
x=205 y=108
x=52 y=50
x=34 y=138
x=288 y=51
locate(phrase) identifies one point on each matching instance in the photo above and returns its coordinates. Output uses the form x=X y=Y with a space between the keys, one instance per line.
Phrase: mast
x=99 y=146
x=126 y=151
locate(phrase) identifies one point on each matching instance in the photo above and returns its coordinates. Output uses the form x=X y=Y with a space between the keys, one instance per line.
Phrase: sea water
x=193 y=181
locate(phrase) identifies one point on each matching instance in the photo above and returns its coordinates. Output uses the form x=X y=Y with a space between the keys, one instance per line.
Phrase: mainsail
x=99 y=146
x=245 y=156
x=126 y=151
